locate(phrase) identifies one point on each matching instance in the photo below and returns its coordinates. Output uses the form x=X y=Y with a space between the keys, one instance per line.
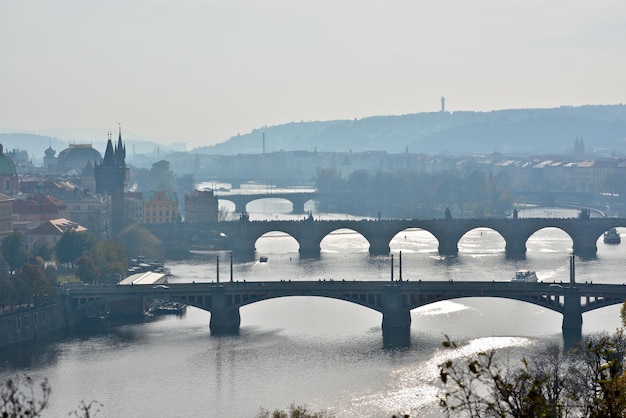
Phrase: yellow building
x=160 y=208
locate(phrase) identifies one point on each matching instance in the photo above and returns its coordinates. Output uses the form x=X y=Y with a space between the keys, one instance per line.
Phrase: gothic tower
x=111 y=176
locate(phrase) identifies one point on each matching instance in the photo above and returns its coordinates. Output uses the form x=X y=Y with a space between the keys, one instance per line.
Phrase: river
x=326 y=354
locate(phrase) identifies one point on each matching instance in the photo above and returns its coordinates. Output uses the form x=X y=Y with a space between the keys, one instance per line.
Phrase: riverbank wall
x=28 y=323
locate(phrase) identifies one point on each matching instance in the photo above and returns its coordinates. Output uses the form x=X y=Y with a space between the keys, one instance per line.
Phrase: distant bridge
x=394 y=299
x=309 y=233
x=297 y=199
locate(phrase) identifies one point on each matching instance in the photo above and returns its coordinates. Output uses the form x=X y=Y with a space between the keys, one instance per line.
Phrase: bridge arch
x=549 y=239
x=262 y=204
x=483 y=240
x=334 y=315
x=414 y=240
x=276 y=242
x=344 y=240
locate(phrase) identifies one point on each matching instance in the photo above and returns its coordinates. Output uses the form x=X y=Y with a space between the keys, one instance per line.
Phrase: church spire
x=109 y=156
x=120 y=149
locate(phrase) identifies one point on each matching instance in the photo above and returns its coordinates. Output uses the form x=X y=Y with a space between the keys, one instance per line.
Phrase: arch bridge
x=297 y=199
x=394 y=299
x=243 y=234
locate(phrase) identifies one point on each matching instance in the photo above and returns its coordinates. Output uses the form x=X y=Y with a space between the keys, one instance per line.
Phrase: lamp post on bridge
x=400 y=266
x=217 y=267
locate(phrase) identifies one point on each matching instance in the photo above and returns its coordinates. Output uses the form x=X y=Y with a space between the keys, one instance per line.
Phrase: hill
x=515 y=131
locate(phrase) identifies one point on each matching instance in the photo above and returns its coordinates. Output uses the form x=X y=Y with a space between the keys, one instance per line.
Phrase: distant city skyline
x=201 y=71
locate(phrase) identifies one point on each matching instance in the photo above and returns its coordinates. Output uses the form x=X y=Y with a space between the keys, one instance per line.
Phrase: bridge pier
x=515 y=248
x=572 y=318
x=225 y=318
x=448 y=246
x=585 y=248
x=243 y=245
x=309 y=247
x=297 y=206
x=396 y=318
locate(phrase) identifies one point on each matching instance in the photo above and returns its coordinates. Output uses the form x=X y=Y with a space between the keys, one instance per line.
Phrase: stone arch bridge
x=240 y=236
x=297 y=199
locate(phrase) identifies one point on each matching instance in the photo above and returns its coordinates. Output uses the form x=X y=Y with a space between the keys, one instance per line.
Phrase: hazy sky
x=200 y=71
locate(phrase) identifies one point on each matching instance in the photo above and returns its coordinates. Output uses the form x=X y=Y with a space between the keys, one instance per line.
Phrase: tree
x=73 y=244
x=14 y=250
x=20 y=397
x=31 y=284
x=86 y=269
x=223 y=214
x=23 y=397
x=588 y=381
x=42 y=248
x=294 y=411
x=139 y=241
x=111 y=260
x=162 y=176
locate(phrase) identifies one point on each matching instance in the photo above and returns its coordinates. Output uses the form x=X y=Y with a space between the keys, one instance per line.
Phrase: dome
x=77 y=156
x=7 y=167
x=50 y=152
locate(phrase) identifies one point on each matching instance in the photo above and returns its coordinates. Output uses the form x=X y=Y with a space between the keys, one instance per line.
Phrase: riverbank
x=31 y=322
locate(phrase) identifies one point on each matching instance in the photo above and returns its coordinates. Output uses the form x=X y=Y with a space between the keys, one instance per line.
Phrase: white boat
x=612 y=237
x=525 y=276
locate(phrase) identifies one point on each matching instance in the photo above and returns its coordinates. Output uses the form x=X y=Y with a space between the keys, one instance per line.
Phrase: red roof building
x=39 y=209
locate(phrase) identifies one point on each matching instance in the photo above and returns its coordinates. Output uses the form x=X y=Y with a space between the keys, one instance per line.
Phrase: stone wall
x=29 y=323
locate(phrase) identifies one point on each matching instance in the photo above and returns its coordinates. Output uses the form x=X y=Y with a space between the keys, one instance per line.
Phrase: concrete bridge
x=242 y=235
x=297 y=199
x=394 y=299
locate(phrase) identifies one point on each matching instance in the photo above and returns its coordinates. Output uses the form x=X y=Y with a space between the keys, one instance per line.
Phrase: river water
x=326 y=354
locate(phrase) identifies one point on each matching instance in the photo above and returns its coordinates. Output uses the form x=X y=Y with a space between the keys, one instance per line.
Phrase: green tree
x=32 y=285
x=86 y=269
x=163 y=177
x=14 y=250
x=42 y=248
x=73 y=244
x=111 y=260
x=139 y=241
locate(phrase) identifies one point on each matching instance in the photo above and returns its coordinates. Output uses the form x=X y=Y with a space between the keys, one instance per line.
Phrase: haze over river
x=324 y=353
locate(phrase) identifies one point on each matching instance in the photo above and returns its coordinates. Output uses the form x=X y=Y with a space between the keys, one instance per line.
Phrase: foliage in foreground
x=588 y=382
x=23 y=397
x=294 y=411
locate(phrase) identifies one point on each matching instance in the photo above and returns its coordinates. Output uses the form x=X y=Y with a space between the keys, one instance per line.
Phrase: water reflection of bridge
x=243 y=234
x=394 y=299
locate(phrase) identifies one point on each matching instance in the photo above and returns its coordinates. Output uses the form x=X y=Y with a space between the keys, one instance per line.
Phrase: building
x=111 y=176
x=51 y=231
x=6 y=215
x=91 y=211
x=133 y=202
x=160 y=208
x=39 y=209
x=8 y=174
x=75 y=157
x=201 y=206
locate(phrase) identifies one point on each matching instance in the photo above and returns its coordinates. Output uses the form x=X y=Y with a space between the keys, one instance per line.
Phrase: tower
x=111 y=176
x=443 y=104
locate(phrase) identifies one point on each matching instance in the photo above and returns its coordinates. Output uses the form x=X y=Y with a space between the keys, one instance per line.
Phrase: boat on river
x=168 y=308
x=612 y=237
x=525 y=276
